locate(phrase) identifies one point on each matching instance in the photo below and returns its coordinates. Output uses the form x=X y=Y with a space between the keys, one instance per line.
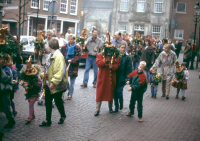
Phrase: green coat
x=56 y=70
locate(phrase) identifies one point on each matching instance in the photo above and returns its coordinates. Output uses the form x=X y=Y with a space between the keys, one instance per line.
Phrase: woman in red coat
x=105 y=91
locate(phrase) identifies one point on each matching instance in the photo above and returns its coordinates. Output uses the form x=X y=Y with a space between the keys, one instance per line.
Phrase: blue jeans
x=154 y=90
x=90 y=61
x=118 y=97
x=139 y=98
x=147 y=73
x=71 y=85
x=135 y=65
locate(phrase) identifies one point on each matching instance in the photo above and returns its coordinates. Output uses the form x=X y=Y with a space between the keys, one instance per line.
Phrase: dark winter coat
x=124 y=70
x=148 y=56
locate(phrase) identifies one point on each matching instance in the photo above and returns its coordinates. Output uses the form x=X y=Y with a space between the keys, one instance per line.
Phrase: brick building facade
x=183 y=14
x=68 y=16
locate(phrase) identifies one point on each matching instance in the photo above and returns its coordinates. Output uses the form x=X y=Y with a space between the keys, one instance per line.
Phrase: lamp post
x=166 y=25
x=196 y=20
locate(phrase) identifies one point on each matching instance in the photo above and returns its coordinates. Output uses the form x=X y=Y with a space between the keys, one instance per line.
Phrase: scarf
x=70 y=50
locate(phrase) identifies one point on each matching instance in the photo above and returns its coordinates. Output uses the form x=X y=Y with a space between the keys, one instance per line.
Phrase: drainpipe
x=172 y=20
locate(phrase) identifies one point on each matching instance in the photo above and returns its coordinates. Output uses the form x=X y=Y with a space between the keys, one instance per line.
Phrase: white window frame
x=46 y=9
x=66 y=7
x=120 y=26
x=157 y=3
x=123 y=4
x=155 y=33
x=178 y=30
x=141 y=1
x=140 y=27
x=76 y=8
x=35 y=7
x=177 y=8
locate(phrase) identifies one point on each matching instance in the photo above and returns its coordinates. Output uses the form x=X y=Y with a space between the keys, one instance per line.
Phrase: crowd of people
x=137 y=64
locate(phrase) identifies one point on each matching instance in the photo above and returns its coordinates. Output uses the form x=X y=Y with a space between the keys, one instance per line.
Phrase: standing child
x=138 y=86
x=32 y=83
x=15 y=85
x=155 y=78
x=182 y=76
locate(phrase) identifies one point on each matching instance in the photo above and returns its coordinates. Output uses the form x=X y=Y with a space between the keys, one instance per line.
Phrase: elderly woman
x=148 y=56
x=61 y=43
x=72 y=55
x=187 y=54
x=55 y=82
x=167 y=60
x=46 y=49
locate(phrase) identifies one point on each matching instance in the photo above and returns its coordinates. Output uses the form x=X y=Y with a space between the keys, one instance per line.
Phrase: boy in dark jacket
x=5 y=89
x=138 y=86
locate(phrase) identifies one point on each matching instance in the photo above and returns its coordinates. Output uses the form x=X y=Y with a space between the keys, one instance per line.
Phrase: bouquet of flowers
x=158 y=78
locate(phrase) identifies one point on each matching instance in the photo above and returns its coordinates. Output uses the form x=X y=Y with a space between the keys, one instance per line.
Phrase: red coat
x=104 y=91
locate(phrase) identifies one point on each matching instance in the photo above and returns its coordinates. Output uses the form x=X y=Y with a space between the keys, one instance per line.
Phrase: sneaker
x=167 y=97
x=140 y=120
x=183 y=98
x=176 y=97
x=84 y=85
x=96 y=113
x=154 y=97
x=9 y=124
x=129 y=114
x=151 y=96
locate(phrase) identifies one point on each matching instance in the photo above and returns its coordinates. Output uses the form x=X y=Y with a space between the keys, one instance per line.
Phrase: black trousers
x=187 y=62
x=58 y=101
x=139 y=98
x=5 y=100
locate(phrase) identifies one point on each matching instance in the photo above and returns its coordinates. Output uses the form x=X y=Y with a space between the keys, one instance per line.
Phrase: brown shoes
x=84 y=85
x=129 y=114
x=94 y=85
x=140 y=120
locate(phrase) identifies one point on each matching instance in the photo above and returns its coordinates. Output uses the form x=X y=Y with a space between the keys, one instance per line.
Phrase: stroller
x=41 y=100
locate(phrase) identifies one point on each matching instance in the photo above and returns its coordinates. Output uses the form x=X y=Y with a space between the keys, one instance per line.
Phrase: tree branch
x=25 y=3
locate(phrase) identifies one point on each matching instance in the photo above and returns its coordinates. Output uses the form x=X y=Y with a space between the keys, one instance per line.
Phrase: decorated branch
x=179 y=75
x=81 y=39
x=7 y=45
x=137 y=40
x=39 y=44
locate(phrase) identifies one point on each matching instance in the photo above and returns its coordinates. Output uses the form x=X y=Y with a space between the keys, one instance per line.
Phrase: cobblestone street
x=166 y=120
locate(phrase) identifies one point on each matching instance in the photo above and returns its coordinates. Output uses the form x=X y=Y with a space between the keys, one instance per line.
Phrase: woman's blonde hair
x=167 y=46
x=50 y=32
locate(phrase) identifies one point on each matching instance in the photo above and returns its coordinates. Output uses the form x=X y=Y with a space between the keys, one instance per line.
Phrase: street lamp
x=166 y=25
x=196 y=20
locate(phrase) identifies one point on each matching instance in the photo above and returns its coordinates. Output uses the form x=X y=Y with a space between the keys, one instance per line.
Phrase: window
x=58 y=27
x=141 y=5
x=35 y=4
x=139 y=27
x=156 y=30
x=73 y=10
x=158 y=6
x=64 y=6
x=181 y=7
x=178 y=34
x=46 y=4
x=124 y=5
x=7 y=1
x=122 y=28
